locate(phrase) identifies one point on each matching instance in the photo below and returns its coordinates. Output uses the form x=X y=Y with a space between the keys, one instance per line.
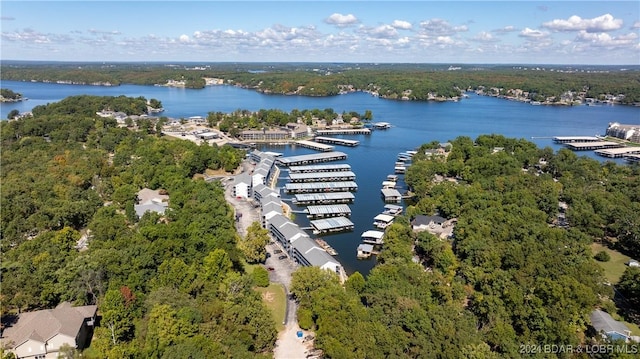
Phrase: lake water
x=414 y=123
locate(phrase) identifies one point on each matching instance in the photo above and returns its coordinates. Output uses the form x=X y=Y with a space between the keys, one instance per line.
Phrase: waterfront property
x=242 y=186
x=399 y=169
x=322 y=176
x=337 y=141
x=383 y=221
x=436 y=225
x=331 y=225
x=314 y=187
x=323 y=211
x=381 y=125
x=388 y=184
x=625 y=132
x=323 y=198
x=338 y=167
x=391 y=195
x=312 y=158
x=373 y=237
x=585 y=146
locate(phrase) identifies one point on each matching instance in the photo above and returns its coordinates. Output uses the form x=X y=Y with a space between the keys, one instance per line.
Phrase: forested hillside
x=170 y=286
x=512 y=275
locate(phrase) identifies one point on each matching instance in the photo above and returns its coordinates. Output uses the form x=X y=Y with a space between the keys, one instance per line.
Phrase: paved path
x=288 y=345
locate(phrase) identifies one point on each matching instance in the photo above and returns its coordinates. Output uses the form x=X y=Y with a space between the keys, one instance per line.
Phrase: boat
x=324 y=245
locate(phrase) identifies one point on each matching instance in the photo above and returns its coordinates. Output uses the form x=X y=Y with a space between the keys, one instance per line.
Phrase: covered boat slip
x=322 y=176
x=312 y=158
x=313 y=187
x=323 y=198
x=335 y=224
x=337 y=141
x=325 y=211
x=373 y=237
x=338 y=167
x=314 y=145
x=391 y=195
x=392 y=209
x=382 y=221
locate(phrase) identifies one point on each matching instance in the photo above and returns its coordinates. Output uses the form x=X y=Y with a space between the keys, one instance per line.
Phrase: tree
x=260 y=277
x=13 y=113
x=254 y=244
x=629 y=285
x=355 y=283
x=118 y=309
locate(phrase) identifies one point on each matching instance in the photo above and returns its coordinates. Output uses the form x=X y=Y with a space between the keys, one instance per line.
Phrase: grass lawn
x=276 y=300
x=614 y=268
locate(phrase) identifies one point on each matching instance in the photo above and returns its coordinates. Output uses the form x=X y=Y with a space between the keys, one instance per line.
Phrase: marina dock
x=338 y=167
x=323 y=198
x=331 y=225
x=322 y=176
x=391 y=195
x=586 y=146
x=312 y=158
x=315 y=145
x=337 y=141
x=324 y=211
x=571 y=139
x=373 y=237
x=618 y=152
x=632 y=158
x=392 y=209
x=365 y=251
x=315 y=187
x=344 y=131
x=324 y=245
x=381 y=125
x=383 y=221
x=400 y=169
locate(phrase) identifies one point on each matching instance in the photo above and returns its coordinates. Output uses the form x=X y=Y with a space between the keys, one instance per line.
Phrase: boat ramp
x=324 y=211
x=337 y=141
x=314 y=187
x=323 y=198
x=331 y=225
x=339 y=167
x=322 y=176
x=312 y=158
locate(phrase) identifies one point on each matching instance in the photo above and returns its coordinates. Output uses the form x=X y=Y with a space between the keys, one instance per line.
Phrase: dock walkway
x=323 y=198
x=345 y=131
x=322 y=176
x=337 y=141
x=312 y=158
x=314 y=187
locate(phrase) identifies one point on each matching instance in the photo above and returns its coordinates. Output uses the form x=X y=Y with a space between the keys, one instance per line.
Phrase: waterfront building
x=625 y=132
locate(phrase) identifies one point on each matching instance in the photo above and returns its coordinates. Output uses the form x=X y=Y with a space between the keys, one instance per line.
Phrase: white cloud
x=341 y=20
x=441 y=27
x=485 y=36
x=400 y=24
x=606 y=40
x=7 y=18
x=605 y=22
x=530 y=33
x=636 y=25
x=184 y=38
x=380 y=32
x=505 y=30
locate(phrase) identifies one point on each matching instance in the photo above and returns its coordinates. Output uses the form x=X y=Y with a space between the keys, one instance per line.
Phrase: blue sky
x=558 y=32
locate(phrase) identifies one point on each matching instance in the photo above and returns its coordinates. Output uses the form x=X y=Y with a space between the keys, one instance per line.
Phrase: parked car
x=282 y=257
x=270 y=269
x=277 y=251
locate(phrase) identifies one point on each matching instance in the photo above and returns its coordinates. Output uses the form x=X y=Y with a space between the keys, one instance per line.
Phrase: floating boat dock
x=381 y=125
x=344 y=131
x=618 y=152
x=330 y=225
x=632 y=158
x=314 y=187
x=323 y=198
x=365 y=251
x=324 y=211
x=337 y=141
x=585 y=146
x=324 y=245
x=315 y=145
x=312 y=158
x=392 y=209
x=339 y=167
x=388 y=184
x=373 y=237
x=383 y=221
x=322 y=176
x=570 y=139
x=391 y=195
x=400 y=169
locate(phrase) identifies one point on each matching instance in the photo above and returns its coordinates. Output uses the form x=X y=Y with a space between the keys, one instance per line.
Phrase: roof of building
x=363 y=247
x=242 y=178
x=603 y=322
x=150 y=206
x=43 y=325
x=422 y=220
x=373 y=234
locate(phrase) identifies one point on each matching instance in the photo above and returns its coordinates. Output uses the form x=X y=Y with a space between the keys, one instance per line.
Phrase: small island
x=7 y=95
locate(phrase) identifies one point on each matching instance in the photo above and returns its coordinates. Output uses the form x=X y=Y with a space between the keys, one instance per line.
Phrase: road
x=288 y=345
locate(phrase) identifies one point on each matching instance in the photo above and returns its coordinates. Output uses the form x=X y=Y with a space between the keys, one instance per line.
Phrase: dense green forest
x=171 y=286
x=510 y=276
x=392 y=81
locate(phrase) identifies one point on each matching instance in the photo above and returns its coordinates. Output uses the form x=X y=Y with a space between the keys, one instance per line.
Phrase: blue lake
x=414 y=123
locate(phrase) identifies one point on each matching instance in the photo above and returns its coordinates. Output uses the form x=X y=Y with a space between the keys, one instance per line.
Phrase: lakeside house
x=41 y=334
x=608 y=327
x=151 y=201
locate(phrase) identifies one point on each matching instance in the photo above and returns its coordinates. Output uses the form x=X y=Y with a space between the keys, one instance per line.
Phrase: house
x=604 y=324
x=422 y=222
x=242 y=186
x=151 y=201
x=40 y=334
x=633 y=263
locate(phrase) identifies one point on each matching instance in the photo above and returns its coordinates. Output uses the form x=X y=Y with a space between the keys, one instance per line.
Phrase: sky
x=458 y=32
